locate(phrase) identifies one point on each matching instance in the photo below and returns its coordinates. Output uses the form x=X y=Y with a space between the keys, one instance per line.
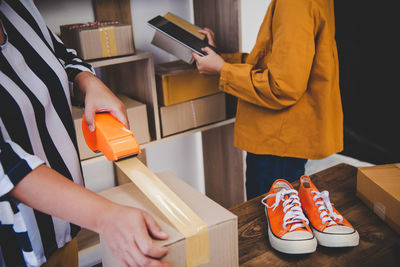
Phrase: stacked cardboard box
x=98 y=39
x=222 y=224
x=178 y=82
x=379 y=188
x=187 y=98
x=192 y=114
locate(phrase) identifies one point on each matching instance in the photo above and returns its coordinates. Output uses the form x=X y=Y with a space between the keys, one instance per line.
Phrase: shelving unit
x=134 y=76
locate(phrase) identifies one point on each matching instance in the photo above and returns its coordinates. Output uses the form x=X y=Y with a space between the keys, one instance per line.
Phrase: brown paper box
x=173 y=47
x=87 y=41
x=178 y=82
x=137 y=116
x=222 y=224
x=191 y=114
x=379 y=188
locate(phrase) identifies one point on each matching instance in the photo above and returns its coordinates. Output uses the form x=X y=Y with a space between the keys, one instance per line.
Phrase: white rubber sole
x=301 y=246
x=337 y=240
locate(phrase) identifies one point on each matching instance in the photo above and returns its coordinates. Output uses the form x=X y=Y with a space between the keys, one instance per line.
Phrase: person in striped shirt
x=42 y=199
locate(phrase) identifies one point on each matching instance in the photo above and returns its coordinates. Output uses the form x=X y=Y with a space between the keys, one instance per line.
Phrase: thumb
x=89 y=118
x=153 y=227
x=196 y=56
x=208 y=50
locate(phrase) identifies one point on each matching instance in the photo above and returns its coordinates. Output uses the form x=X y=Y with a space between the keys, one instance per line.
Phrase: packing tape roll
x=107 y=41
x=178 y=213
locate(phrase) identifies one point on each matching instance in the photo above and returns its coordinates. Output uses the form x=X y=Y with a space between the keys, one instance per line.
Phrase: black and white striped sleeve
x=15 y=164
x=68 y=57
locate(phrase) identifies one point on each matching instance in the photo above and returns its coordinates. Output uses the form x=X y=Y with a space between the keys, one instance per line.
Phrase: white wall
x=251 y=17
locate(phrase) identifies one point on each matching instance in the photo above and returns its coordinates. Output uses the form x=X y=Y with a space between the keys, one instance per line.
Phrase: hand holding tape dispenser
x=118 y=144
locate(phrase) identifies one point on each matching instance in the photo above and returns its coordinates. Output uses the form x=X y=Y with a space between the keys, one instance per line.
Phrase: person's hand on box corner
x=210 y=36
x=99 y=98
x=127 y=232
x=210 y=64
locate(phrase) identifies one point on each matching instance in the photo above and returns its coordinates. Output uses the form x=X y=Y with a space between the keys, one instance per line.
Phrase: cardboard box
x=379 y=188
x=222 y=224
x=178 y=82
x=192 y=114
x=98 y=39
x=98 y=173
x=137 y=116
x=171 y=46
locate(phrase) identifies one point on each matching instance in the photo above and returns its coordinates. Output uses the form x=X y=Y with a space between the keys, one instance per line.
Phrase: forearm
x=48 y=191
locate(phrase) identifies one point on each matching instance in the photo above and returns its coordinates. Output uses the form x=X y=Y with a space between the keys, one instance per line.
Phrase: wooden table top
x=379 y=244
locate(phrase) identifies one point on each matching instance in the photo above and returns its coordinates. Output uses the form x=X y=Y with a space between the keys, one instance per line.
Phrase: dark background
x=367 y=35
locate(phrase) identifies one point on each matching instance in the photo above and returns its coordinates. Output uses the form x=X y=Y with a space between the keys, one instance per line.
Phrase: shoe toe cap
x=339 y=229
x=298 y=235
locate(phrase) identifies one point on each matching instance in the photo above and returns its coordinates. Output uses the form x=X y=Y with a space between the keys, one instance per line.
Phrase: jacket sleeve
x=68 y=57
x=284 y=79
x=234 y=57
x=15 y=164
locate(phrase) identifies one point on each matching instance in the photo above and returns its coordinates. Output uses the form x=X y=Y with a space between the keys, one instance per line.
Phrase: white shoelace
x=325 y=208
x=291 y=207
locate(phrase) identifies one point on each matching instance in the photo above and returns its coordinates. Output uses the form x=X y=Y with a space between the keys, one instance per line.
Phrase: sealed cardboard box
x=379 y=188
x=178 y=82
x=137 y=116
x=98 y=39
x=173 y=47
x=222 y=224
x=192 y=114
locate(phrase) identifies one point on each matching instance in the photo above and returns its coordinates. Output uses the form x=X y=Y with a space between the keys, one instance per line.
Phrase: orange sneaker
x=329 y=227
x=288 y=229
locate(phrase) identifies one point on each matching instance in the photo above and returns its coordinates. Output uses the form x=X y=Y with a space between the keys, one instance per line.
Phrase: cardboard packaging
x=137 y=116
x=171 y=46
x=379 y=188
x=192 y=114
x=178 y=82
x=98 y=39
x=222 y=224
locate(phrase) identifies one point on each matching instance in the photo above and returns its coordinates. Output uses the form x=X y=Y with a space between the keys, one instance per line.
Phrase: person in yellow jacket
x=289 y=105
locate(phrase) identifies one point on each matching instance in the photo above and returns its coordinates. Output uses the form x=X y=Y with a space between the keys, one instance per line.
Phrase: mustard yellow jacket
x=288 y=86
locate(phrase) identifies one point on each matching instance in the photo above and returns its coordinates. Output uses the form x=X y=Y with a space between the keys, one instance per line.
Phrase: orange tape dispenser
x=111 y=137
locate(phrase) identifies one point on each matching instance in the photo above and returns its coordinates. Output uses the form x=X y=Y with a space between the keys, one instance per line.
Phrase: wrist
x=109 y=212
x=82 y=79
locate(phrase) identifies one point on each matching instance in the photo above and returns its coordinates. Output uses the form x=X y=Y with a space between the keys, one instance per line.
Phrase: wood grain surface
x=379 y=244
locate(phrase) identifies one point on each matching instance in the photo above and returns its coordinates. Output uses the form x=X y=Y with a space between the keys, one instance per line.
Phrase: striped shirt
x=36 y=127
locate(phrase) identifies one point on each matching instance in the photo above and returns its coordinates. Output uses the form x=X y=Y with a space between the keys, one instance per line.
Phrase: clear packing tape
x=107 y=40
x=177 y=212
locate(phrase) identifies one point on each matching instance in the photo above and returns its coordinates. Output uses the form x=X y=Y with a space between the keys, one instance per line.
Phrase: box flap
x=211 y=212
x=386 y=176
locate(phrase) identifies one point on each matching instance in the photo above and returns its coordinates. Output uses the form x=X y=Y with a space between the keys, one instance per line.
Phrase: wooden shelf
x=189 y=132
x=139 y=55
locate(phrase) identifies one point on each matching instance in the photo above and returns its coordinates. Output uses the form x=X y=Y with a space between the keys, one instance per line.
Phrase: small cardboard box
x=137 y=116
x=192 y=114
x=173 y=47
x=178 y=82
x=98 y=40
x=222 y=224
x=379 y=188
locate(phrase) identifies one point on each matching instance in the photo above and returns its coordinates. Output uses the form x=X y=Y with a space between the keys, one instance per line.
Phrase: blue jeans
x=263 y=170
